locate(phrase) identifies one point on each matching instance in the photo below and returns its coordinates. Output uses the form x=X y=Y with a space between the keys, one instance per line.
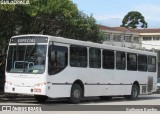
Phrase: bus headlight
x=9 y=83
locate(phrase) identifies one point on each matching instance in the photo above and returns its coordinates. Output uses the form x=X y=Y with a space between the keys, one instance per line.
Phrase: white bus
x=54 y=67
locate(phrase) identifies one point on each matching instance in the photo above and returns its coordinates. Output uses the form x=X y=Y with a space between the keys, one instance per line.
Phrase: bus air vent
x=150 y=84
x=144 y=89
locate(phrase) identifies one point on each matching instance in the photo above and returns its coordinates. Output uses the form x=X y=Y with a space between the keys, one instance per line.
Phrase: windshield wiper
x=32 y=50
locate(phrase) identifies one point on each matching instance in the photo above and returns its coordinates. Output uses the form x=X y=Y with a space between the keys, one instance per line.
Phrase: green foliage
x=134 y=19
x=59 y=18
x=7 y=7
x=7 y=28
x=50 y=17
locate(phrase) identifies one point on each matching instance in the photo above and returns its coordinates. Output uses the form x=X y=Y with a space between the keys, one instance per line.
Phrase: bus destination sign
x=26 y=40
x=29 y=39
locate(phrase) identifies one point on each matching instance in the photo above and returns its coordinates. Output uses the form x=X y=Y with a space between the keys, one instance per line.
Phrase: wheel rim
x=135 y=92
x=76 y=93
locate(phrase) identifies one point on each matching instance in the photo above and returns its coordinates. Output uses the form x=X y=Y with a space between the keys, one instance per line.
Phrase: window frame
x=156 y=38
x=139 y=63
x=121 y=60
x=78 y=61
x=148 y=38
x=96 y=58
x=117 y=37
x=65 y=48
x=155 y=65
x=128 y=38
x=113 y=67
x=132 y=62
x=136 y=39
x=107 y=37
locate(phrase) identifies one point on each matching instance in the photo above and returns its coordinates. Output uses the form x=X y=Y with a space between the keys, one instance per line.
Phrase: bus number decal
x=37 y=90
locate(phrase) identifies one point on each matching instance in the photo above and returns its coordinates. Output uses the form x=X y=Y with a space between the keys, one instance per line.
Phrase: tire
x=40 y=98
x=76 y=94
x=134 y=93
x=105 y=97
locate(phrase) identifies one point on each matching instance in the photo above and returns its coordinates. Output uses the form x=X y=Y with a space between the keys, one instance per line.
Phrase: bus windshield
x=26 y=59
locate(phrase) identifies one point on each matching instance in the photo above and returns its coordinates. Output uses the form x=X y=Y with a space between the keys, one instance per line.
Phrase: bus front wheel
x=40 y=98
x=76 y=94
x=134 y=93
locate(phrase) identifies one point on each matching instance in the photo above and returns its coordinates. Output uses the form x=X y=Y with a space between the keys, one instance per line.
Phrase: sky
x=111 y=12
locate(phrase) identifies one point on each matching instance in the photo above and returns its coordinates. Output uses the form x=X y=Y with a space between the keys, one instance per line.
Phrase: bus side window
x=108 y=59
x=58 y=59
x=94 y=58
x=78 y=56
x=120 y=61
x=142 y=63
x=151 y=64
x=132 y=62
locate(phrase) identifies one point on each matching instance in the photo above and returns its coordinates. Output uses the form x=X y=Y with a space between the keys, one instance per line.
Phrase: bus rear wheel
x=76 y=94
x=40 y=98
x=134 y=93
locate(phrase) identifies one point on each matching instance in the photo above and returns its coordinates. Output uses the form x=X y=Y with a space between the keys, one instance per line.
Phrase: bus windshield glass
x=26 y=59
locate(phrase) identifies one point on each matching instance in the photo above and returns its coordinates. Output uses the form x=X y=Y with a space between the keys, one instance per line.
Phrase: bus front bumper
x=35 y=90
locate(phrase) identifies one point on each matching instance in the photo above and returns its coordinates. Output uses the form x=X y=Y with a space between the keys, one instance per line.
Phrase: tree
x=61 y=18
x=52 y=17
x=7 y=30
x=134 y=20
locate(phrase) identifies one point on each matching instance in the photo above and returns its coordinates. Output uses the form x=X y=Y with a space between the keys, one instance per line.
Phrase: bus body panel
x=96 y=83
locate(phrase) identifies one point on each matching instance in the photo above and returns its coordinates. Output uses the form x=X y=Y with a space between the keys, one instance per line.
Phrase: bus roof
x=30 y=35
x=90 y=44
